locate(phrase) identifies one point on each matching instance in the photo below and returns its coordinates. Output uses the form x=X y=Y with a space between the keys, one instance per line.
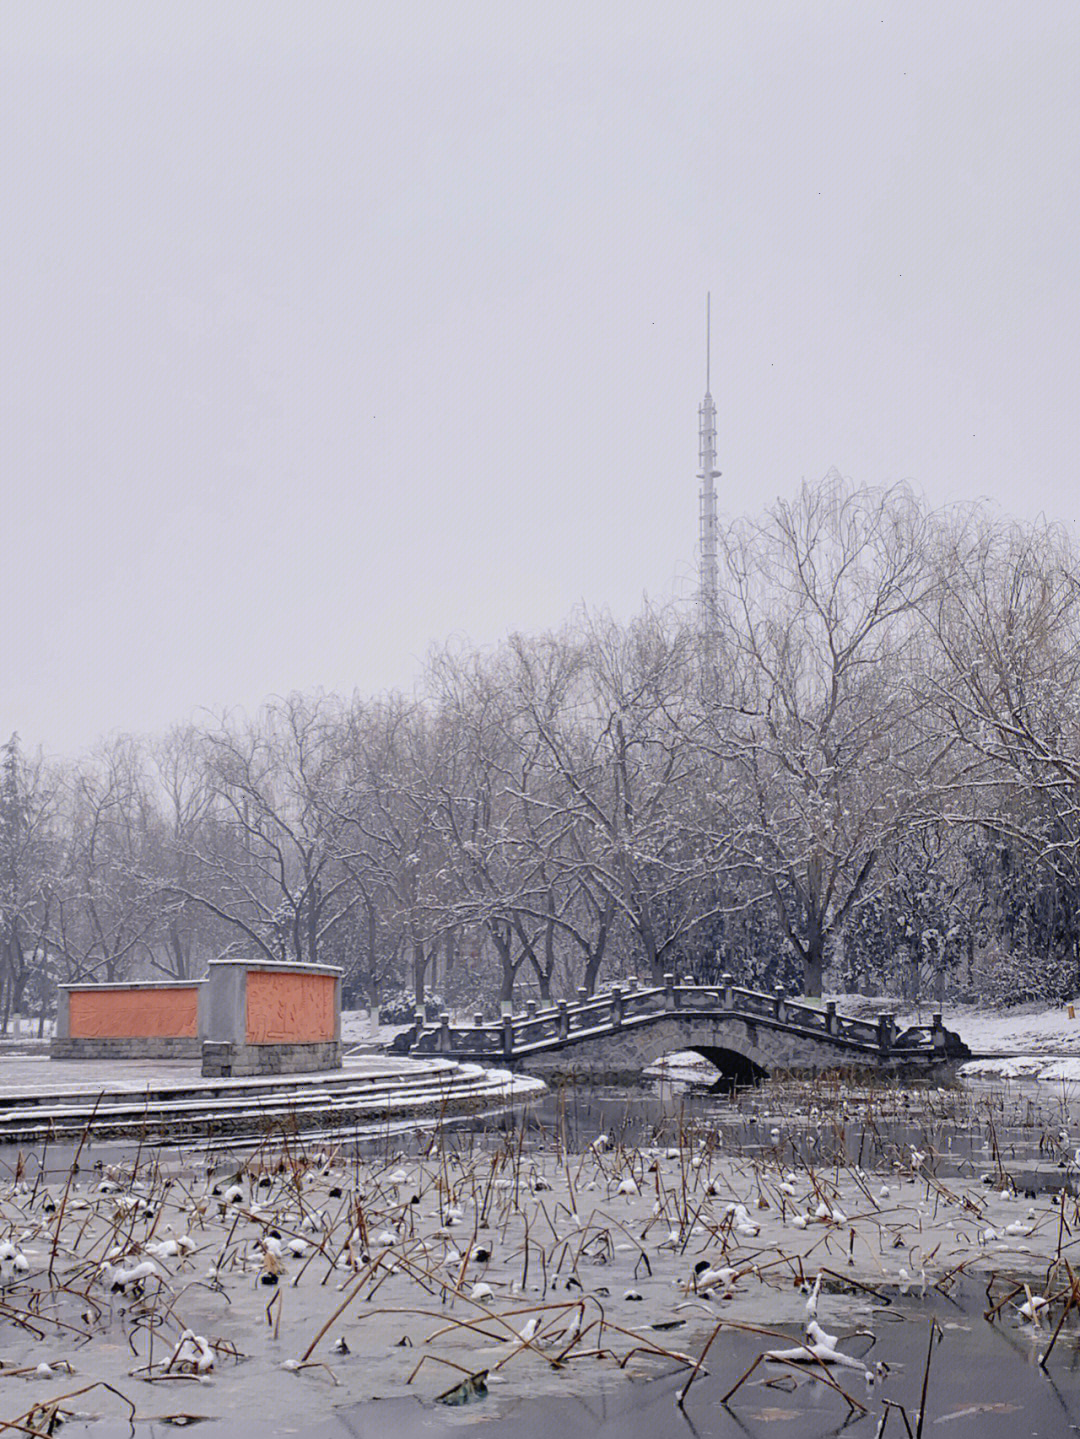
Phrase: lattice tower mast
x=708 y=474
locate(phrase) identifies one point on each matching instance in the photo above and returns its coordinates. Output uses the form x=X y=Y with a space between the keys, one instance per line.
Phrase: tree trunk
x=180 y=963
x=813 y=974
x=596 y=955
x=814 y=958
x=450 y=946
x=544 y=971
x=313 y=908
x=419 y=973
x=592 y=969
x=370 y=980
x=509 y=970
x=18 y=985
x=7 y=1006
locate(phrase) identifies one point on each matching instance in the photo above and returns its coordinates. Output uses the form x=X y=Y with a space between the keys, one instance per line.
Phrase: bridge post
x=886 y=1028
x=937 y=1033
x=631 y=982
x=830 y=1017
x=564 y=1019
x=530 y=1008
x=508 y=1036
x=779 y=994
x=671 y=998
x=444 y=1033
x=728 y=983
x=616 y=1006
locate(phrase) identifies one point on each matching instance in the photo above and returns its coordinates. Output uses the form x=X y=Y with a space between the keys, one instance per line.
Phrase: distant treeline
x=861 y=769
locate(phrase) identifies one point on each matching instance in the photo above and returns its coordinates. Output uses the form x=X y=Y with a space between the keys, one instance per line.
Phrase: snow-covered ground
x=1030 y=1029
x=1030 y=1041
x=357 y=1030
x=1023 y=1029
x=1022 y=1066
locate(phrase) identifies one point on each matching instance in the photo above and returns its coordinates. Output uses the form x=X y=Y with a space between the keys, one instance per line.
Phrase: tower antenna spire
x=707 y=518
x=708 y=340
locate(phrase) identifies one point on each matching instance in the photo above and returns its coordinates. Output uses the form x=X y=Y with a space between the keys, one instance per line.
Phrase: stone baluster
x=778 y=1000
x=728 y=983
x=564 y=1019
x=886 y=1030
x=508 y=1036
x=616 y=1006
x=444 y=1033
x=831 y=1024
x=671 y=994
x=937 y=1033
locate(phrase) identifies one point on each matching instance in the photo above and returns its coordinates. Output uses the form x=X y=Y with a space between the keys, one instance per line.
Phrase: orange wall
x=290 y=1008
x=134 y=1013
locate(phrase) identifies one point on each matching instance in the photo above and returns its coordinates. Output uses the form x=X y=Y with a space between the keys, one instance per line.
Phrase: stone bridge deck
x=745 y=1033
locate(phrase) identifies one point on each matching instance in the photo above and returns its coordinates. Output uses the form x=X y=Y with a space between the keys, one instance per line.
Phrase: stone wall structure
x=155 y=1020
x=246 y=1017
x=271 y=1018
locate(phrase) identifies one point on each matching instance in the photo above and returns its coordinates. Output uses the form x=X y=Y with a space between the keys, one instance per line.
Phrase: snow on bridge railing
x=608 y=1011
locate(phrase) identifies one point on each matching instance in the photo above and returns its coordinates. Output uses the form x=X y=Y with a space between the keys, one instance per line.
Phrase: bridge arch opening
x=734 y=1070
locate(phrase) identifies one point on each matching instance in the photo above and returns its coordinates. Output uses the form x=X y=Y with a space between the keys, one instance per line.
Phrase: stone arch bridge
x=746 y=1034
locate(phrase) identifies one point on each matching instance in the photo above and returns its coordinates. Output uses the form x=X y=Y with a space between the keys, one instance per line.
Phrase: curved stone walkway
x=161 y=1100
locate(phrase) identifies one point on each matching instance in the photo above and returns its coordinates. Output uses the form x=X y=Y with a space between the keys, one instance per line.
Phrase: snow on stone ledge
x=1022 y=1066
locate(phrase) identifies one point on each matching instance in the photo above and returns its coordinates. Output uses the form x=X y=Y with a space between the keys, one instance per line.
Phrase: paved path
x=27 y=1077
x=40 y=1096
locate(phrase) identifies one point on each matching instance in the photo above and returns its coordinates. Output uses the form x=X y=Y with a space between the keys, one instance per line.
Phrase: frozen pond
x=616 y=1234
x=984 y=1383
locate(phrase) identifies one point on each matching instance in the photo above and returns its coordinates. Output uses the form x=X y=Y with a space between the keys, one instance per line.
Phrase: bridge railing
x=608 y=1011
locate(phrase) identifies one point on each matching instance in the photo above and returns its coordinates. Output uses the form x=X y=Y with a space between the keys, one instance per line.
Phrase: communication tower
x=708 y=475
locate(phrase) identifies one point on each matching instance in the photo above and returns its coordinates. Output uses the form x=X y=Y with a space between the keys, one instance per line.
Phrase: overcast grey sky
x=330 y=330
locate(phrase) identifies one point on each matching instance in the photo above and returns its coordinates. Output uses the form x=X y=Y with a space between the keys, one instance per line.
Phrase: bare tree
x=1005 y=686
x=264 y=856
x=606 y=710
x=389 y=840
x=103 y=915
x=29 y=842
x=822 y=763
x=187 y=933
